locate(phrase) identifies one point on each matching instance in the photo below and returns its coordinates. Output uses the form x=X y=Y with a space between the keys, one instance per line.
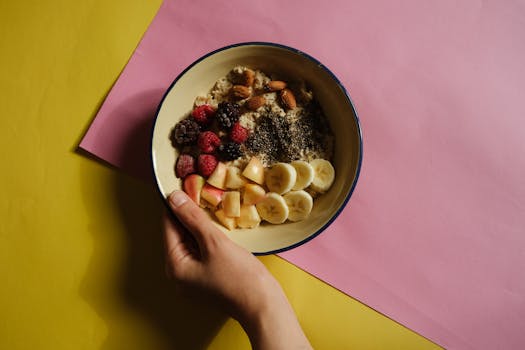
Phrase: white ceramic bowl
x=199 y=77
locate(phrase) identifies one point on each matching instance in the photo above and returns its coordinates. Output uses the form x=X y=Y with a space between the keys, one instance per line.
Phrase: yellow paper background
x=80 y=252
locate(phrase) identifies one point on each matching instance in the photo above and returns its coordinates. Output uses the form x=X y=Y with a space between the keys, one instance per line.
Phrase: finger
x=194 y=219
x=180 y=257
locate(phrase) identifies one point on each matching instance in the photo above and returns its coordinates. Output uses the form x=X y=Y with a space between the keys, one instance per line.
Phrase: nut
x=288 y=99
x=249 y=77
x=241 y=91
x=255 y=102
x=275 y=85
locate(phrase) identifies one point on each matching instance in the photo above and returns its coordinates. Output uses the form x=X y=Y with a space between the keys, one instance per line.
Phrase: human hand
x=200 y=256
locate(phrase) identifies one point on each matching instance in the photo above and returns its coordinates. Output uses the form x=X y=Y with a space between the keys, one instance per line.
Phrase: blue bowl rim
x=334 y=77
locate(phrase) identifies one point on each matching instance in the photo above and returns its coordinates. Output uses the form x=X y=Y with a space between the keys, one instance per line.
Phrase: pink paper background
x=434 y=235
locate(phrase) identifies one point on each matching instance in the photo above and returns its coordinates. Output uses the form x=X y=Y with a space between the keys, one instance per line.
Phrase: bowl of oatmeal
x=264 y=138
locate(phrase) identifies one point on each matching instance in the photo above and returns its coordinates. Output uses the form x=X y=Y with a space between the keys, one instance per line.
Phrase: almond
x=249 y=77
x=241 y=91
x=275 y=85
x=255 y=102
x=288 y=99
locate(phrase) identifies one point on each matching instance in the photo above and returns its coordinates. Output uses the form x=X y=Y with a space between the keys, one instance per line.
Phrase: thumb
x=180 y=256
x=194 y=219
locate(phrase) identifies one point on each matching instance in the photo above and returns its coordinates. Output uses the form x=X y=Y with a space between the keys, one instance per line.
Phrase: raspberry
x=238 y=134
x=227 y=114
x=185 y=132
x=203 y=114
x=208 y=141
x=185 y=166
x=207 y=164
x=230 y=151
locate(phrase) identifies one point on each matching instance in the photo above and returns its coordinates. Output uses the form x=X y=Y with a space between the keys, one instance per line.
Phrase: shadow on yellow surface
x=139 y=286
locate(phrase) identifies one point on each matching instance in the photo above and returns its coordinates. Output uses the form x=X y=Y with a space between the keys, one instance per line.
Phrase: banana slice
x=324 y=175
x=305 y=174
x=280 y=178
x=273 y=208
x=299 y=204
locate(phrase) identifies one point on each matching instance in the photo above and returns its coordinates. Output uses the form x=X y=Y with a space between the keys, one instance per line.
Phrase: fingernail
x=178 y=198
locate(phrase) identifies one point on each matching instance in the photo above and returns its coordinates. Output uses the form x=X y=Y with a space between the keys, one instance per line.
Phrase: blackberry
x=230 y=151
x=185 y=132
x=227 y=114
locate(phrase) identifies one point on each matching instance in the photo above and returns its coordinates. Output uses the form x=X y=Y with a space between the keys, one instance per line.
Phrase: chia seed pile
x=281 y=139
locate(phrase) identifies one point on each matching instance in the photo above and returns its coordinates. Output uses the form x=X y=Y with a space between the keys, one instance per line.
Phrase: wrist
x=268 y=304
x=273 y=325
